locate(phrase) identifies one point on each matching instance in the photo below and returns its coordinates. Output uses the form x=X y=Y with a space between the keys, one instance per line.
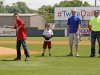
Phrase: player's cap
x=73 y=9
x=48 y=25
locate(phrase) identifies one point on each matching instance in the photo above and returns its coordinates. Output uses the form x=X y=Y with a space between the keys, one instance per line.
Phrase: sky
x=35 y=4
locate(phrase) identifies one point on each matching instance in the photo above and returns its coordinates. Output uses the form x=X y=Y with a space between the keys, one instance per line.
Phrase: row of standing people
x=73 y=29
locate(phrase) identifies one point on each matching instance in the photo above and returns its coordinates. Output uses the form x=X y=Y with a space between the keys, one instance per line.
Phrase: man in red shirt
x=89 y=27
x=21 y=37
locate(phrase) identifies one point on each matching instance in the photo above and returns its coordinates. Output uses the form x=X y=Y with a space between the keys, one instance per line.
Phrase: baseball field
x=58 y=64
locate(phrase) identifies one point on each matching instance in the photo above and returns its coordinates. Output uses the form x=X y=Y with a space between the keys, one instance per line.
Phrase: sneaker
x=50 y=54
x=27 y=58
x=99 y=52
x=99 y=55
x=92 y=55
x=70 y=54
x=77 y=55
x=17 y=59
x=42 y=54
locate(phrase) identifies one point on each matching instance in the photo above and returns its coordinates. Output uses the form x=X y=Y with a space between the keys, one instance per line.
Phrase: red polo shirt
x=21 y=34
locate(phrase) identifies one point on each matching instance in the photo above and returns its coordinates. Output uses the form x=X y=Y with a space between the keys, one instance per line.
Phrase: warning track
x=41 y=42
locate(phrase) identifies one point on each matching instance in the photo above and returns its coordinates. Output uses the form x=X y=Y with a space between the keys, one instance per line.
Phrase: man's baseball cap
x=73 y=9
x=48 y=25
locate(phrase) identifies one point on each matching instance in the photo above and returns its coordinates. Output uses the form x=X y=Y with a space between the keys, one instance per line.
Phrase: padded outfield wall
x=31 y=32
x=58 y=32
x=35 y=32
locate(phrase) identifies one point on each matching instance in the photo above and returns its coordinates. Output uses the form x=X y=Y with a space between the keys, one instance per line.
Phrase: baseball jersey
x=21 y=34
x=73 y=22
x=95 y=23
x=48 y=32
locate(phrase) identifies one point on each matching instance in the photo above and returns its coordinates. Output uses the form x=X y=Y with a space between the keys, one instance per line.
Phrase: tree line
x=46 y=10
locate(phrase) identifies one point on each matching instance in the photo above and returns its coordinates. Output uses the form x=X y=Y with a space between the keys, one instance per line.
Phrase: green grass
x=39 y=38
x=58 y=64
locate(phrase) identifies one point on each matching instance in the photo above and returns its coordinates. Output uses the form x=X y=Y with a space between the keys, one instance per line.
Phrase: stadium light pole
x=82 y=3
x=95 y=3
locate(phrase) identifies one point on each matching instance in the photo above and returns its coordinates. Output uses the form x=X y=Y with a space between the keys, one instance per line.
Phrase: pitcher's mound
x=10 y=52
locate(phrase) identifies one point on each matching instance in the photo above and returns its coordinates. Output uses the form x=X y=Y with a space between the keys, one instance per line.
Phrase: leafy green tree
x=13 y=9
x=22 y=6
x=86 y=4
x=19 y=7
x=47 y=11
x=73 y=3
x=31 y=11
x=42 y=10
x=49 y=18
x=2 y=9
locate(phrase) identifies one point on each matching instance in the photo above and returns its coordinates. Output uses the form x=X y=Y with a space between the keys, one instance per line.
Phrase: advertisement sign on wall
x=84 y=32
x=85 y=13
x=7 y=32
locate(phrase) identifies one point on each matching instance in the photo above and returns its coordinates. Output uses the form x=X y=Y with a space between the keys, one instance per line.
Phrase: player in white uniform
x=47 y=34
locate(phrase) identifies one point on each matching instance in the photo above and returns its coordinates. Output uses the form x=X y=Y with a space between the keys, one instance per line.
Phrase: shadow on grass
x=84 y=57
x=88 y=57
x=7 y=60
x=42 y=56
x=62 y=56
x=65 y=56
x=76 y=57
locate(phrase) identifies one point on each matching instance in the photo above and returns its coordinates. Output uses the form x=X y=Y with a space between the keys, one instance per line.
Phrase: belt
x=95 y=31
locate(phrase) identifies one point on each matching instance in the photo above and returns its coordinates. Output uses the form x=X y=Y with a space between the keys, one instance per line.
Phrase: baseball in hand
x=47 y=35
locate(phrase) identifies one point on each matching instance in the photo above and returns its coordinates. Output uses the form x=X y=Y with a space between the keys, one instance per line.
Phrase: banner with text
x=7 y=32
x=85 y=13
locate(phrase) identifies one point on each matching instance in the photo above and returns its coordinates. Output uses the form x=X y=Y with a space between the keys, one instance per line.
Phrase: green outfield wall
x=35 y=32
